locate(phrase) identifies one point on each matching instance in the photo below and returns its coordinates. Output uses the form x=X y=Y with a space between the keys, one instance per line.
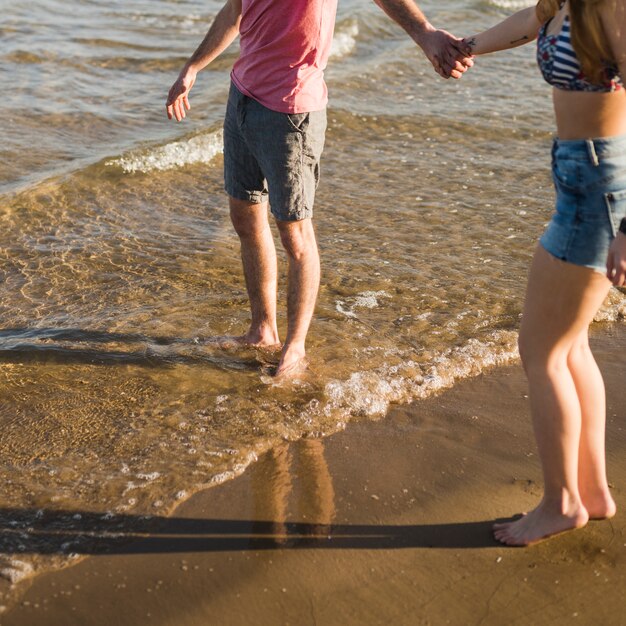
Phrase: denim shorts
x=590 y=180
x=272 y=155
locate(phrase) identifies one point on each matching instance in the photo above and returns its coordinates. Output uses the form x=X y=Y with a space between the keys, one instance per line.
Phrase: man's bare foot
x=539 y=524
x=272 y=351
x=292 y=370
x=600 y=505
x=290 y=366
x=239 y=342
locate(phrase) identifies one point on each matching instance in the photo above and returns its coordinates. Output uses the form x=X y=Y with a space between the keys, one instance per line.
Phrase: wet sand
x=385 y=523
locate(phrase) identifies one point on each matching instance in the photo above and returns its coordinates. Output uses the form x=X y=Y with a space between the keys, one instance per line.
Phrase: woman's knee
x=538 y=356
x=580 y=351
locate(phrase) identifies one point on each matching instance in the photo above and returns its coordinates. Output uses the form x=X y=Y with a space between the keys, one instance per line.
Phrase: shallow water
x=119 y=263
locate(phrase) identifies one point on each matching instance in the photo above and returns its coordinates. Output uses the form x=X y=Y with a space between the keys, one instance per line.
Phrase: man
x=273 y=139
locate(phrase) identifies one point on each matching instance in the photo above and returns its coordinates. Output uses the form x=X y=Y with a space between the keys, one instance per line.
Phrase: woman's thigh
x=561 y=301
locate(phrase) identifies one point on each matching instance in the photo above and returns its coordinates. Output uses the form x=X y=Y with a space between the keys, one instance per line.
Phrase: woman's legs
x=592 y=481
x=566 y=406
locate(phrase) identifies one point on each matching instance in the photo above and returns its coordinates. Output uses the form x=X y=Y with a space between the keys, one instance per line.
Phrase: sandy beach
x=151 y=476
x=385 y=523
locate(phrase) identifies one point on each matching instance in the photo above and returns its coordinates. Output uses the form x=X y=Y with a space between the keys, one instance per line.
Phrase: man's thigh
x=243 y=178
x=288 y=148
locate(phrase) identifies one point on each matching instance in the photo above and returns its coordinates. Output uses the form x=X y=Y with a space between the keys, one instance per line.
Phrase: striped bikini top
x=560 y=66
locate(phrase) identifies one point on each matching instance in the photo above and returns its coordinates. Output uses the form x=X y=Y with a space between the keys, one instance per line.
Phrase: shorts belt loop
x=593 y=155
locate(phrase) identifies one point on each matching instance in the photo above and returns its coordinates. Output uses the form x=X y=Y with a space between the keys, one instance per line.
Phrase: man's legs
x=298 y=239
x=268 y=152
x=258 y=256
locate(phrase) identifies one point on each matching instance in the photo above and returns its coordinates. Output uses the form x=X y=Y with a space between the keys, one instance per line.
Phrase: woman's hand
x=616 y=261
x=448 y=54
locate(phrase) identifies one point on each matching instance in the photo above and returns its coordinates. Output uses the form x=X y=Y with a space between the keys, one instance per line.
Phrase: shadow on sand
x=89 y=347
x=66 y=532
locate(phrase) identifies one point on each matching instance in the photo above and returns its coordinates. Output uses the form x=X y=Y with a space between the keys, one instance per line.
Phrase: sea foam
x=369 y=393
x=15 y=570
x=344 y=40
x=199 y=149
x=510 y=5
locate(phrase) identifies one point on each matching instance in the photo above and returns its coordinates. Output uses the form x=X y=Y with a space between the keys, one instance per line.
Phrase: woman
x=582 y=54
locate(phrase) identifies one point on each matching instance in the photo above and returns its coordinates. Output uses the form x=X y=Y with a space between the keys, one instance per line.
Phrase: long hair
x=546 y=9
x=589 y=39
x=588 y=36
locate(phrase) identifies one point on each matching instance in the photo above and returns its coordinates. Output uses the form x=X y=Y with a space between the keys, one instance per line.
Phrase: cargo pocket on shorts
x=616 y=207
x=298 y=121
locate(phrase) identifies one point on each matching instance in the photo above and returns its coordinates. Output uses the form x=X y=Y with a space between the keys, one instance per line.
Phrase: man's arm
x=222 y=33
x=448 y=54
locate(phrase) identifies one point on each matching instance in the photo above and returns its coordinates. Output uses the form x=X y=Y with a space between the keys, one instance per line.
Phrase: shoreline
x=386 y=522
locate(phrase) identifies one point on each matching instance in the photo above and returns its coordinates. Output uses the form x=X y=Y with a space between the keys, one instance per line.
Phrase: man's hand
x=221 y=34
x=616 y=261
x=450 y=56
x=178 y=96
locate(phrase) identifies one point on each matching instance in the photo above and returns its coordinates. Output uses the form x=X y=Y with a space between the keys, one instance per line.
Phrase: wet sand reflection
x=301 y=490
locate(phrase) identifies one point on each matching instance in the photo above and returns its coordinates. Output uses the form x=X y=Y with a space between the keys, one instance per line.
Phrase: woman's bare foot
x=599 y=505
x=540 y=524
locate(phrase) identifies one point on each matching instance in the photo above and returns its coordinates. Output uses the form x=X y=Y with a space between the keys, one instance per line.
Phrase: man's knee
x=298 y=238
x=248 y=219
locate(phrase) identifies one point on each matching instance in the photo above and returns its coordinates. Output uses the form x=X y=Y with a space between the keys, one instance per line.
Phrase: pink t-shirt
x=284 y=50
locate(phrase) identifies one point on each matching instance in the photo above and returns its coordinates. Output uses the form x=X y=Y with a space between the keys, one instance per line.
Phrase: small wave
x=365 y=300
x=510 y=5
x=614 y=308
x=200 y=149
x=24 y=56
x=369 y=393
x=15 y=570
x=344 y=41
x=165 y=21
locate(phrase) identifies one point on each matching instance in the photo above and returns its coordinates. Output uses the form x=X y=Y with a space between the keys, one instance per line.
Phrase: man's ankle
x=292 y=353
x=262 y=336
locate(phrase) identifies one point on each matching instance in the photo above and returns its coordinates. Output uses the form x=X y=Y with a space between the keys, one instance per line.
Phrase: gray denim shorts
x=271 y=154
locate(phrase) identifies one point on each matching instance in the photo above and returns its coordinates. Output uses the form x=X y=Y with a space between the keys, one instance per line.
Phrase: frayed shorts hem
x=601 y=269
x=258 y=197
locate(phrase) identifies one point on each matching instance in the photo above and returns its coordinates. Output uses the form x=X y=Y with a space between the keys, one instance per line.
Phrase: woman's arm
x=514 y=31
x=613 y=15
x=616 y=261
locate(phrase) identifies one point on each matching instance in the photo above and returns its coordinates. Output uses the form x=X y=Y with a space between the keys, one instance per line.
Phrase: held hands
x=616 y=261
x=450 y=56
x=178 y=96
